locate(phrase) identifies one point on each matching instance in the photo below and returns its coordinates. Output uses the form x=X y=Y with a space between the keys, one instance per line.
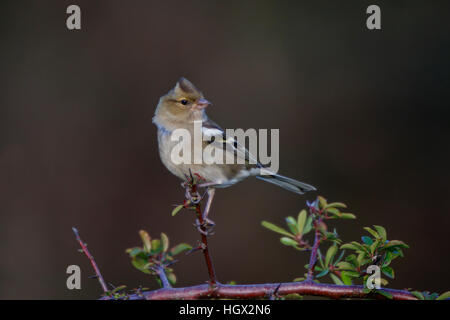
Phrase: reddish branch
x=204 y=246
x=98 y=275
x=215 y=290
x=315 y=248
x=250 y=291
x=255 y=291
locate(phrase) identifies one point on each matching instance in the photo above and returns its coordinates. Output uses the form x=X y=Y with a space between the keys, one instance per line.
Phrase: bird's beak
x=202 y=104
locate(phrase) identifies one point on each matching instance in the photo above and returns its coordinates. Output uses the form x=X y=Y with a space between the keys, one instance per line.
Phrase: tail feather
x=287 y=183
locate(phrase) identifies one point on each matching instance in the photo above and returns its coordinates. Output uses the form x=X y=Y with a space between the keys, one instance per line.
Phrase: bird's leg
x=204 y=227
x=211 y=192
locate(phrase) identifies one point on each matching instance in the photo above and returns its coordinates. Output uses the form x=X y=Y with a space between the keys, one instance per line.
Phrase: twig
x=204 y=247
x=253 y=291
x=91 y=259
x=313 y=257
x=162 y=276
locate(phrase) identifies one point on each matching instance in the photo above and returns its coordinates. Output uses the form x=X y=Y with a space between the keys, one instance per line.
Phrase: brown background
x=362 y=116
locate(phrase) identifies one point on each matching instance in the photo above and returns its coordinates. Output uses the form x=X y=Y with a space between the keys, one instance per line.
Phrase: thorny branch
x=215 y=290
x=98 y=275
x=249 y=291
x=254 y=291
x=315 y=248
x=191 y=188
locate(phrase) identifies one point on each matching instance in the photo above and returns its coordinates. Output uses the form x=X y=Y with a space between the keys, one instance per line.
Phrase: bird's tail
x=287 y=183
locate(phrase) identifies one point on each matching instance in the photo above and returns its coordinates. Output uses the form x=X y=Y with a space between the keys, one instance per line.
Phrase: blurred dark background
x=363 y=116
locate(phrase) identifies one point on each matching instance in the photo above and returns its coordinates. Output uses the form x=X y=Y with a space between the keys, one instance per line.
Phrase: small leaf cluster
x=156 y=255
x=343 y=269
x=297 y=229
x=319 y=210
x=426 y=295
x=373 y=250
x=118 y=293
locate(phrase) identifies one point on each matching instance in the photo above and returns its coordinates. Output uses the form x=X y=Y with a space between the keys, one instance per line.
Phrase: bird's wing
x=215 y=135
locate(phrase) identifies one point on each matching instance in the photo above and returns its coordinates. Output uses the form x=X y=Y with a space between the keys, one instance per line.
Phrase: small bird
x=185 y=105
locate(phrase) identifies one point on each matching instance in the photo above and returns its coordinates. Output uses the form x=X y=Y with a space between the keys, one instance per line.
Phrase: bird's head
x=182 y=102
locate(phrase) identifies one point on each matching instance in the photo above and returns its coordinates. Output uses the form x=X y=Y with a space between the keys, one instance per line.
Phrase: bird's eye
x=184 y=102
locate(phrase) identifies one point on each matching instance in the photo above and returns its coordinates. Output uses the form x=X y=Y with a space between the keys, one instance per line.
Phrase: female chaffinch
x=182 y=108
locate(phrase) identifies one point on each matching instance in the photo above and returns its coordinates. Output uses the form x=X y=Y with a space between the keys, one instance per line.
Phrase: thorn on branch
x=85 y=250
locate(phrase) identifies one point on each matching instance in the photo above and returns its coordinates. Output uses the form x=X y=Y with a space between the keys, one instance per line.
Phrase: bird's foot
x=193 y=197
x=208 y=222
x=205 y=227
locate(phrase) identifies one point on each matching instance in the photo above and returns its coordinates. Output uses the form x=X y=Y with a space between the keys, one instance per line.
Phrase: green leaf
x=180 y=248
x=388 y=258
x=346 y=279
x=308 y=225
x=277 y=229
x=172 y=278
x=336 y=279
x=418 y=295
x=388 y=271
x=292 y=296
x=384 y=293
x=133 y=252
x=331 y=252
x=367 y=240
x=432 y=296
x=316 y=267
x=146 y=240
x=395 y=243
x=323 y=273
x=360 y=258
x=299 y=279
x=141 y=265
x=374 y=246
x=165 y=242
x=361 y=247
x=336 y=205
x=382 y=232
x=343 y=265
x=384 y=282
x=292 y=224
x=372 y=232
x=341 y=255
x=352 y=259
x=156 y=246
x=333 y=211
x=349 y=246
x=322 y=201
x=319 y=255
x=353 y=274
x=301 y=220
x=444 y=296
x=119 y=288
x=347 y=216
x=177 y=209
x=288 y=241
x=355 y=246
